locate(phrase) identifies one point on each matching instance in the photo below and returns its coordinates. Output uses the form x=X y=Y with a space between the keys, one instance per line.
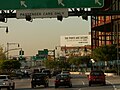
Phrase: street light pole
x=8 y=48
x=118 y=48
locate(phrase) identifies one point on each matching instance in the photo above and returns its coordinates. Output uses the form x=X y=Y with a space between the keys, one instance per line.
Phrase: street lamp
x=8 y=44
x=5 y=27
x=92 y=62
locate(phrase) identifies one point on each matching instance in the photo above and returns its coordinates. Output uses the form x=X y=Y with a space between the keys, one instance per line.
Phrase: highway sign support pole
x=78 y=13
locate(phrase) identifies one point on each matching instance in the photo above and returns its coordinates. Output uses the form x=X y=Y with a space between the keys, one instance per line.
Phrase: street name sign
x=42 y=13
x=37 y=4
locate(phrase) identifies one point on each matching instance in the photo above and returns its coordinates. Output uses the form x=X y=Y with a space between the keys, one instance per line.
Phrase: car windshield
x=46 y=71
x=62 y=76
x=97 y=73
x=38 y=75
x=2 y=77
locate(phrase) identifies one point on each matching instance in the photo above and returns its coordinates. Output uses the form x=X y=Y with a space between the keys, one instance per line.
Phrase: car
x=63 y=80
x=48 y=72
x=97 y=77
x=7 y=82
x=39 y=79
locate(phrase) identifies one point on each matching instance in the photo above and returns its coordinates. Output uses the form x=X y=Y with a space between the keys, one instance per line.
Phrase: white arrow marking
x=97 y=2
x=61 y=2
x=23 y=3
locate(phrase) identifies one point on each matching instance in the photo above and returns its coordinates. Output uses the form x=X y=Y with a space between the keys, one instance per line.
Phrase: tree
x=105 y=53
x=9 y=65
x=79 y=60
x=50 y=64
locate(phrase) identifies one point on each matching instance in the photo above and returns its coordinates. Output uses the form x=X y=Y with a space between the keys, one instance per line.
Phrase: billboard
x=75 y=40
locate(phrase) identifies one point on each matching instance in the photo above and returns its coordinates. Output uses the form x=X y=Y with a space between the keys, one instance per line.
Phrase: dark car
x=97 y=77
x=65 y=72
x=39 y=79
x=48 y=72
x=63 y=80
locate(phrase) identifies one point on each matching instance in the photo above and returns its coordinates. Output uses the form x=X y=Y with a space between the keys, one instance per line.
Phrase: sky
x=41 y=33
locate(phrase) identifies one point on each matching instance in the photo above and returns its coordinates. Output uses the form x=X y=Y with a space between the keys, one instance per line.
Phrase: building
x=105 y=30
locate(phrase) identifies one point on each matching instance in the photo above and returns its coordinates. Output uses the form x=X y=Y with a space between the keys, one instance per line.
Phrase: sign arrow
x=23 y=3
x=98 y=2
x=60 y=2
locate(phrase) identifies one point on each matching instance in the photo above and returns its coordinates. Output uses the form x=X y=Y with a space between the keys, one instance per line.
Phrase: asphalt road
x=80 y=82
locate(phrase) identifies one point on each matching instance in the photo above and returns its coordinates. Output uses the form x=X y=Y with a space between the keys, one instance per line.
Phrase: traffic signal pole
x=94 y=13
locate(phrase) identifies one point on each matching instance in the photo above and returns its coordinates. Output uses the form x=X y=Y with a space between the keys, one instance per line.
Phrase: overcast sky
x=41 y=33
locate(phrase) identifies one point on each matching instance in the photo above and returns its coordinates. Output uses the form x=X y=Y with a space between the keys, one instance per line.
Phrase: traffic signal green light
x=21 y=58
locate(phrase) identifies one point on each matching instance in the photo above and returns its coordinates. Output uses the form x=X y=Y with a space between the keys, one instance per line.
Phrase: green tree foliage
x=105 y=53
x=50 y=64
x=56 y=64
x=79 y=60
x=10 y=65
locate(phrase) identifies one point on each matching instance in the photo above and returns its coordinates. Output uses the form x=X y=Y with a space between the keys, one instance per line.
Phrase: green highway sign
x=37 y=4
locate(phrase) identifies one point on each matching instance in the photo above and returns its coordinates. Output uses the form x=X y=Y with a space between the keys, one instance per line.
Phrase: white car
x=6 y=82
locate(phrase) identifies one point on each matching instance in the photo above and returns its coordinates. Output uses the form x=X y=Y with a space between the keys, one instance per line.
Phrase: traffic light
x=2 y=18
x=21 y=52
x=28 y=18
x=60 y=17
x=85 y=17
x=21 y=58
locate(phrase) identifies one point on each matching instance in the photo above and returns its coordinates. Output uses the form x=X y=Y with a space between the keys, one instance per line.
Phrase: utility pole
x=118 y=48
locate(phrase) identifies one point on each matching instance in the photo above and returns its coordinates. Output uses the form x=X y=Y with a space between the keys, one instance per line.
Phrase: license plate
x=97 y=79
x=3 y=88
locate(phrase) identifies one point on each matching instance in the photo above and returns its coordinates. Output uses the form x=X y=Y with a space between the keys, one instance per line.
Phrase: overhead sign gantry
x=37 y=4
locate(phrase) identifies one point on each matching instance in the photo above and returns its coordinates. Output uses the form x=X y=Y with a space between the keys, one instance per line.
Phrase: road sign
x=36 y=4
x=42 y=13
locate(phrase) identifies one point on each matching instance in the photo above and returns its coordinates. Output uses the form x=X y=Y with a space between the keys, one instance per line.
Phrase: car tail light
x=91 y=77
x=56 y=80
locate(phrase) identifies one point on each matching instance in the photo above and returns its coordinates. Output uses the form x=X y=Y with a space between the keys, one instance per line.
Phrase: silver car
x=6 y=82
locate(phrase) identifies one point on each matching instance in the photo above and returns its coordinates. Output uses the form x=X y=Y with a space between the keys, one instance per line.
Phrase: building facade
x=105 y=30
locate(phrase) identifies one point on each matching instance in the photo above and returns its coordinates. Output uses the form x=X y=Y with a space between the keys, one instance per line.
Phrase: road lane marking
x=83 y=83
x=112 y=85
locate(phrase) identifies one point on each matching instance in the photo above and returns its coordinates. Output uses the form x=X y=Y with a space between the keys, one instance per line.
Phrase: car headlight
x=33 y=79
x=4 y=83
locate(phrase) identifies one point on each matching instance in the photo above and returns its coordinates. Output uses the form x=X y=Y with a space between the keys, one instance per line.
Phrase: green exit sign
x=37 y=4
